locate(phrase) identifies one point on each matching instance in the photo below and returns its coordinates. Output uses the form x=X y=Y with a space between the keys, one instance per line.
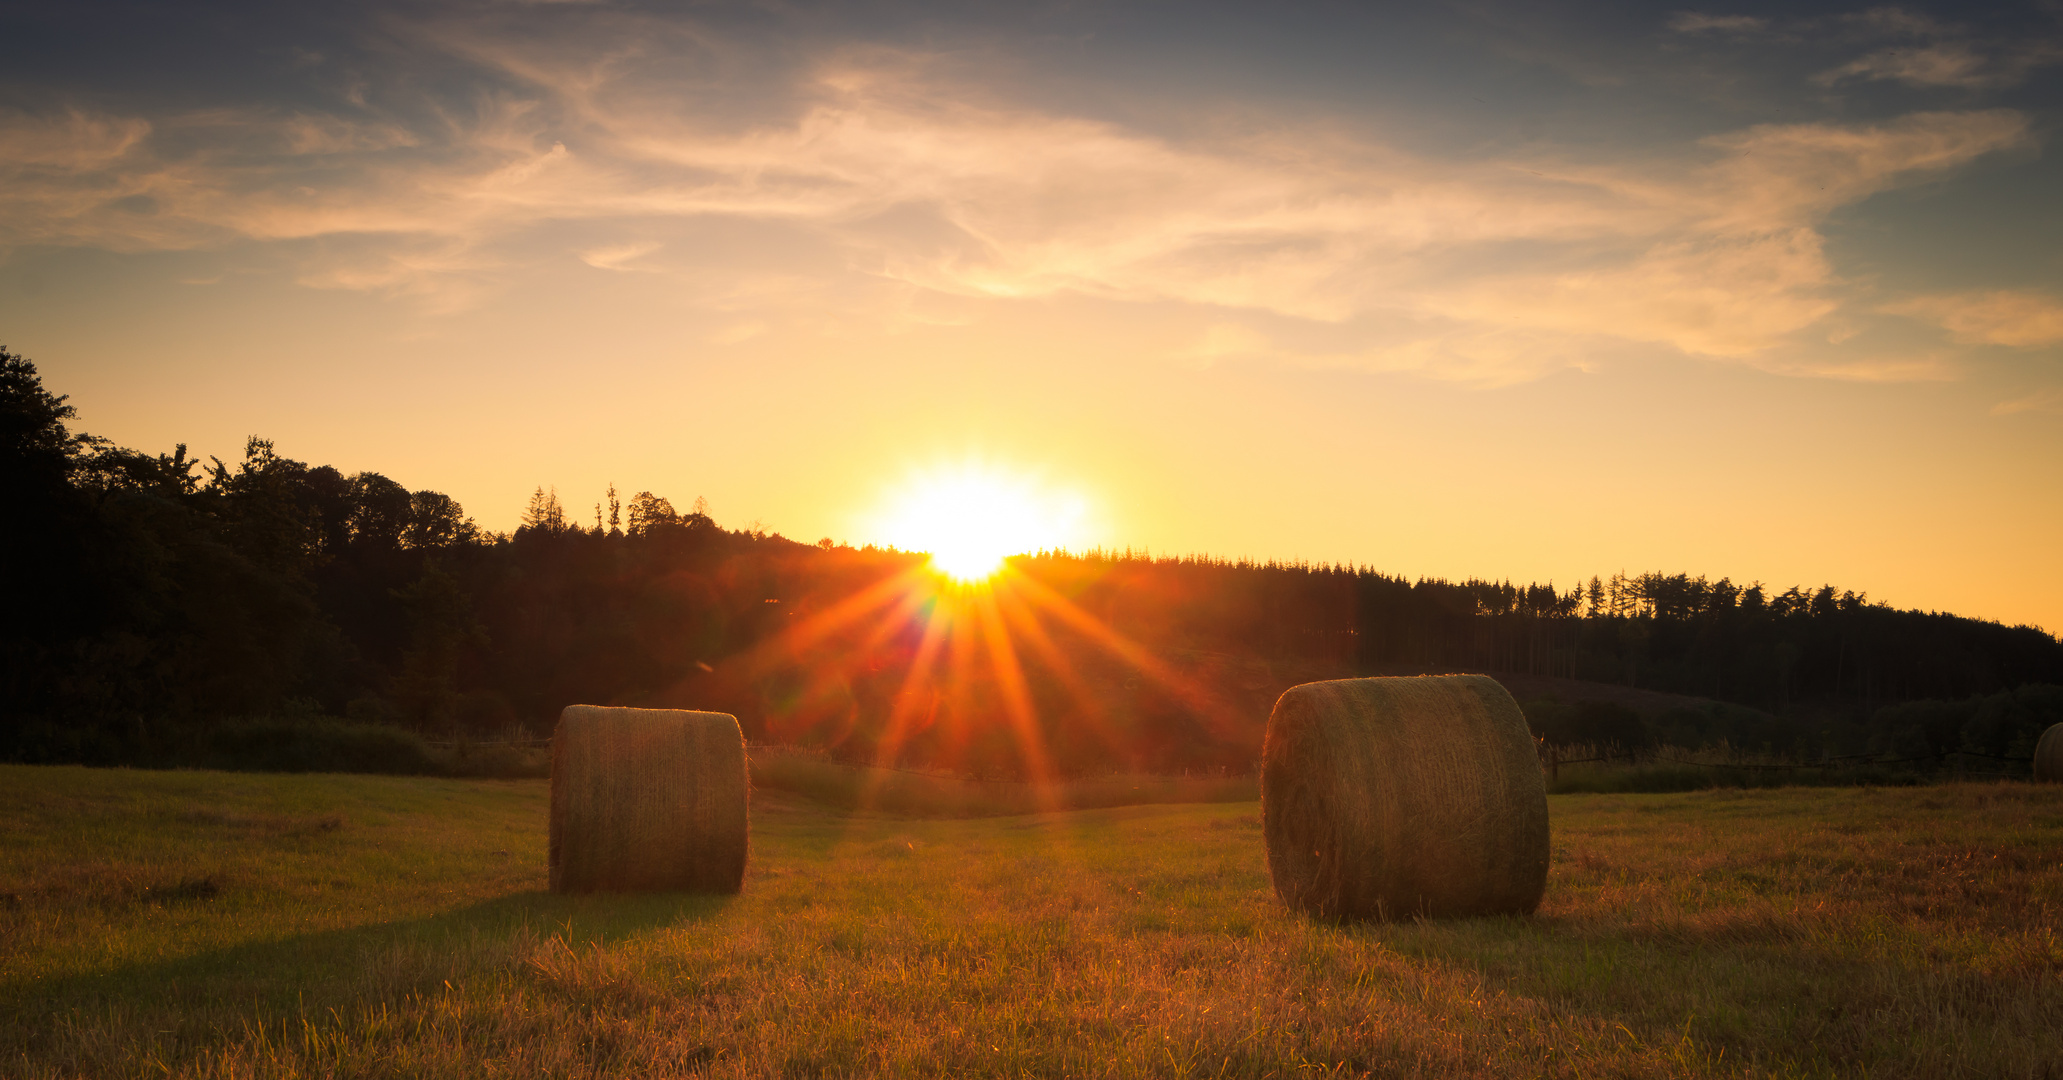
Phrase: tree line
x=153 y=596
x=1667 y=632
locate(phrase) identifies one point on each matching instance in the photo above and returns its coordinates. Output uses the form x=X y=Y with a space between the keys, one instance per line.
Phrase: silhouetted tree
x=441 y=628
x=648 y=511
x=153 y=594
x=436 y=520
x=544 y=514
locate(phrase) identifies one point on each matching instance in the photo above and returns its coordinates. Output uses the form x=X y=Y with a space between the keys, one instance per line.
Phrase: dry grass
x=1611 y=770
x=1792 y=932
x=930 y=794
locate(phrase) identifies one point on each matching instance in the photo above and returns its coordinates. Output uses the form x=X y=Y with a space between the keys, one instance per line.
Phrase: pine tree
x=544 y=513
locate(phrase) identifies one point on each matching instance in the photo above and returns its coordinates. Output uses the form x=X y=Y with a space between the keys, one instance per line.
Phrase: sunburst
x=970 y=517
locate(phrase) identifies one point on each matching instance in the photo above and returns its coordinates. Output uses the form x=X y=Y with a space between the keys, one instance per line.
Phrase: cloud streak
x=2047 y=400
x=1998 y=317
x=1694 y=22
x=1502 y=267
x=1934 y=55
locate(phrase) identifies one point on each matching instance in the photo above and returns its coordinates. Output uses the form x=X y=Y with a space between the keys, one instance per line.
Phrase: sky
x=1526 y=291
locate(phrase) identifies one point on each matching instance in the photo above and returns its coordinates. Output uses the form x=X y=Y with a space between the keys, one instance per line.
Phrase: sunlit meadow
x=994 y=408
x=217 y=925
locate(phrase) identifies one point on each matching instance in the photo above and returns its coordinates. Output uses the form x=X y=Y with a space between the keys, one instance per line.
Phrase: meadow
x=245 y=925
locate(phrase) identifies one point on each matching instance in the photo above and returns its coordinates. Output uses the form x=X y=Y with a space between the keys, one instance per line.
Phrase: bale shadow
x=311 y=973
x=1754 y=988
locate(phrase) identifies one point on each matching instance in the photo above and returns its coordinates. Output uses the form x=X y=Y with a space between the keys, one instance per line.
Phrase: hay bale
x=1389 y=798
x=2048 y=756
x=649 y=800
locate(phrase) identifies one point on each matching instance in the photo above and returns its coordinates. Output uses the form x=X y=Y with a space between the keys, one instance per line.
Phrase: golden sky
x=1773 y=293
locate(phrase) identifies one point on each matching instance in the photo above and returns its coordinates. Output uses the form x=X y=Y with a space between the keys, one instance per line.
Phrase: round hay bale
x=648 y=800
x=1392 y=798
x=2048 y=756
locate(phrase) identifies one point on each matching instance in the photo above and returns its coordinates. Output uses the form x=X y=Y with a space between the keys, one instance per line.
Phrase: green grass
x=376 y=926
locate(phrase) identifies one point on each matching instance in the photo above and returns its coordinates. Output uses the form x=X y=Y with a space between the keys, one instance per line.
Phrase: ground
x=209 y=924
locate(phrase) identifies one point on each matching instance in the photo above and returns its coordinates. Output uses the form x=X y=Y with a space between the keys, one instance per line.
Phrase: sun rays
x=956 y=675
x=965 y=661
x=972 y=516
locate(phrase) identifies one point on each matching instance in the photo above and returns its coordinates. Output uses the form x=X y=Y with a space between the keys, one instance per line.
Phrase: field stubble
x=232 y=925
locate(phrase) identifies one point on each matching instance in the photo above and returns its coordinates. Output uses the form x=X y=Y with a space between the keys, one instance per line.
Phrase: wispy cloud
x=1693 y=22
x=1997 y=317
x=2048 y=399
x=1481 y=269
x=1950 y=64
x=1931 y=53
x=1865 y=367
x=618 y=256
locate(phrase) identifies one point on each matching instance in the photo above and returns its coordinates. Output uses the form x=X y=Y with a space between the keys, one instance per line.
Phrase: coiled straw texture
x=1400 y=797
x=2048 y=756
x=648 y=800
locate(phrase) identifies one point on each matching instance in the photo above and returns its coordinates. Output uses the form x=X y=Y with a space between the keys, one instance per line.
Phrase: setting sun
x=970 y=518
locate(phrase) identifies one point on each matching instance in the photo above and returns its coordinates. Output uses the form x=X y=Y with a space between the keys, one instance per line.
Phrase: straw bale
x=1393 y=798
x=648 y=800
x=2048 y=755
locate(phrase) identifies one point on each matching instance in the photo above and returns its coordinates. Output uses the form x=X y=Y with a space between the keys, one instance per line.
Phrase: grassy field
x=921 y=794
x=1672 y=769
x=233 y=925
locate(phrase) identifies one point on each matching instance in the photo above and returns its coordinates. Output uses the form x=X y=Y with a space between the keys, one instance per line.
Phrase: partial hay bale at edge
x=2048 y=756
x=648 y=800
x=1396 y=797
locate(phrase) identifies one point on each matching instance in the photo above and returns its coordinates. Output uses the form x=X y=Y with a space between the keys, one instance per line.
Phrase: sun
x=972 y=516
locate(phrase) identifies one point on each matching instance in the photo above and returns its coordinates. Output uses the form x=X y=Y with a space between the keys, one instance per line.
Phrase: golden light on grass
x=971 y=517
x=1808 y=931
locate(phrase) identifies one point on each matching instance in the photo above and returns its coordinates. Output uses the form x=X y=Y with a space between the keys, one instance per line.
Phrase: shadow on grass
x=1752 y=987
x=1666 y=778
x=346 y=968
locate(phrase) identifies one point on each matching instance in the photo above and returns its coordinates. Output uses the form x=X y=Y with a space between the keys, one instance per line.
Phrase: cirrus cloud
x=2047 y=400
x=1504 y=266
x=1996 y=317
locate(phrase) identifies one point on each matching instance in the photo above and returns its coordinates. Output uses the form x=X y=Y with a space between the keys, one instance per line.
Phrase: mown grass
x=922 y=794
x=1661 y=775
x=365 y=926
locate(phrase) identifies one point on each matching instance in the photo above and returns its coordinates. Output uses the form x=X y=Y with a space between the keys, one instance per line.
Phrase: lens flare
x=970 y=518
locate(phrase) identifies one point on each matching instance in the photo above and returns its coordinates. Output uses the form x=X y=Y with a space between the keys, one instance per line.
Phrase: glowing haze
x=1765 y=292
x=973 y=515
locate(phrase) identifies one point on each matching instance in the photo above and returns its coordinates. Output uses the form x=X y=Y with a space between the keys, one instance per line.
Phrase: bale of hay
x=1392 y=798
x=2048 y=756
x=648 y=800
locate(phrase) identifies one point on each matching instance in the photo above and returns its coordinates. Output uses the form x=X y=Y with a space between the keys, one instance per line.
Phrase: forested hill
x=150 y=593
